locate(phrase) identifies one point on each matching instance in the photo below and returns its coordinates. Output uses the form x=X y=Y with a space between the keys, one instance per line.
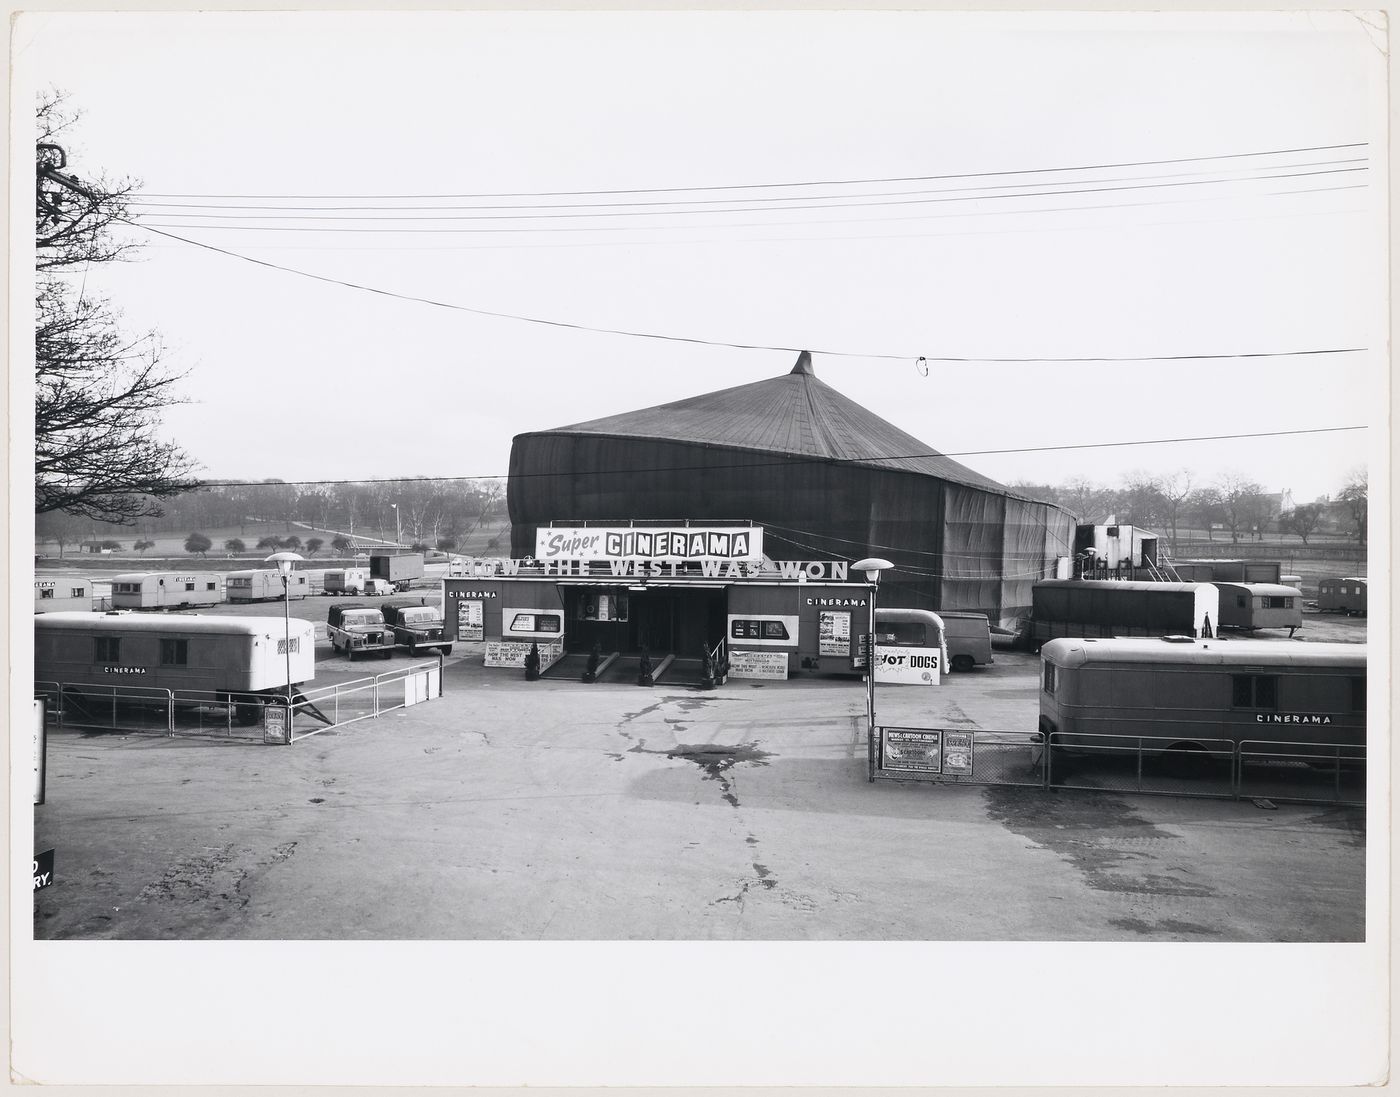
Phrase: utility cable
x=779 y=461
x=802 y=183
x=165 y=208
x=711 y=342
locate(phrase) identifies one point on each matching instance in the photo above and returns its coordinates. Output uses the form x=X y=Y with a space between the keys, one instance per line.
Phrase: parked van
x=345 y=581
x=968 y=637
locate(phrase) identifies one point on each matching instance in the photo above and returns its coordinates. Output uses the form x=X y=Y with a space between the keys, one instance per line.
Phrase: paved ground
x=556 y=810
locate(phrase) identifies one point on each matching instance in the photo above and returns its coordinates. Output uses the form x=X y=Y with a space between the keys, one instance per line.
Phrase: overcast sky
x=1216 y=253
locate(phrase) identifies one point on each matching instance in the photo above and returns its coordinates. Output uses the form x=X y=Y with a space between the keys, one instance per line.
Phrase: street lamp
x=398 y=529
x=284 y=562
x=872 y=568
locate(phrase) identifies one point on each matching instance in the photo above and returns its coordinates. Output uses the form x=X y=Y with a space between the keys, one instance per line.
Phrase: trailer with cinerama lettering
x=167 y=590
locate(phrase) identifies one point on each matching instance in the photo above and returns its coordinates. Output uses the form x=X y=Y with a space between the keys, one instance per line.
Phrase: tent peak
x=804 y=365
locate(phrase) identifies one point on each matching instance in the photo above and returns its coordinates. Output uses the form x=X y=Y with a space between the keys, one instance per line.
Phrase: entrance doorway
x=660 y=620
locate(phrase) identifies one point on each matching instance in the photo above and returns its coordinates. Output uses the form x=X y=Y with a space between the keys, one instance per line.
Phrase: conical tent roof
x=796 y=414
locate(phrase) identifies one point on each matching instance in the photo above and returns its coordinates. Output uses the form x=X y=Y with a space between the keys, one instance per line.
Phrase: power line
x=806 y=223
x=713 y=342
x=781 y=461
x=749 y=209
x=801 y=183
x=165 y=207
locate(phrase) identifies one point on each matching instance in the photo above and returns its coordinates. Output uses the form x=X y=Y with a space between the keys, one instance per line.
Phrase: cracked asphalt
x=558 y=810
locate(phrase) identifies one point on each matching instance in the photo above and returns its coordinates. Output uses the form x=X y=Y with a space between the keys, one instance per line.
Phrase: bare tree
x=1302 y=520
x=1173 y=490
x=1355 y=497
x=98 y=390
x=1239 y=503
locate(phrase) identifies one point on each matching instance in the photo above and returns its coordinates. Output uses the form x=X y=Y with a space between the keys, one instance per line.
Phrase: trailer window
x=78 y=592
x=211 y=586
x=174 y=653
x=1277 y=602
x=908 y=634
x=295 y=642
x=47 y=593
x=1255 y=691
x=1048 y=679
x=106 y=649
x=1358 y=695
x=1240 y=601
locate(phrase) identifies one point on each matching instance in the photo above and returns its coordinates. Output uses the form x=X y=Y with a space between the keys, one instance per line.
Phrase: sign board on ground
x=507 y=653
x=43 y=869
x=758 y=664
x=41 y=748
x=901 y=666
x=275 y=724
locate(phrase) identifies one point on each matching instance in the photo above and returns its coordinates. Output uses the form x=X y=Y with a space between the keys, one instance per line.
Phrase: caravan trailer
x=1198 y=694
x=1110 y=608
x=1342 y=596
x=1260 y=605
x=264 y=585
x=167 y=590
x=63 y=593
x=189 y=652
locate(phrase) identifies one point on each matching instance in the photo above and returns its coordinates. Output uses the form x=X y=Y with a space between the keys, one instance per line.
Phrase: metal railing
x=343 y=703
x=1280 y=770
x=236 y=716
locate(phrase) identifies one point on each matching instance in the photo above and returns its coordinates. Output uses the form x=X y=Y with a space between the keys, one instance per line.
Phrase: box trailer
x=344 y=580
x=167 y=590
x=400 y=569
x=1108 y=608
x=62 y=593
x=264 y=585
x=1346 y=595
x=1260 y=605
x=241 y=658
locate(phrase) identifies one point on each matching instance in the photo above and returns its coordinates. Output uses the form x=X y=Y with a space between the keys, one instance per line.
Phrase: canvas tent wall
x=825 y=477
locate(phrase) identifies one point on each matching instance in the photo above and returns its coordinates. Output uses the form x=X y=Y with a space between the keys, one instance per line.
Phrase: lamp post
x=284 y=562
x=398 y=529
x=872 y=567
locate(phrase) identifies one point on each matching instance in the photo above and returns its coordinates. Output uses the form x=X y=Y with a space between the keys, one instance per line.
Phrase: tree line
x=431 y=513
x=1232 y=504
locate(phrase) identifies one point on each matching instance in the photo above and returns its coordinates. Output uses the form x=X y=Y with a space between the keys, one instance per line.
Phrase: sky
x=965 y=234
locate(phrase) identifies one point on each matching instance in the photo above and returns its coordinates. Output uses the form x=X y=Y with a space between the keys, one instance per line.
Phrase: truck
x=400 y=569
x=416 y=624
x=356 y=628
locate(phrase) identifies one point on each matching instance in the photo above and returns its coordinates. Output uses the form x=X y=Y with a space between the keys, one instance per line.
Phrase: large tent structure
x=826 y=478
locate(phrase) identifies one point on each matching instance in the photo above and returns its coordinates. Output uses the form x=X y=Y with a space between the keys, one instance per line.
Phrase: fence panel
x=1002 y=758
x=144 y=709
x=365 y=698
x=1140 y=763
x=1303 y=772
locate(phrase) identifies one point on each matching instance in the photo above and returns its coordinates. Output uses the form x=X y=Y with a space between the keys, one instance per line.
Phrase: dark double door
x=683 y=622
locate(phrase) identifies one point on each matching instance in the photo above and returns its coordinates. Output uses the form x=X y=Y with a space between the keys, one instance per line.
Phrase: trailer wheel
x=962 y=663
x=1187 y=760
